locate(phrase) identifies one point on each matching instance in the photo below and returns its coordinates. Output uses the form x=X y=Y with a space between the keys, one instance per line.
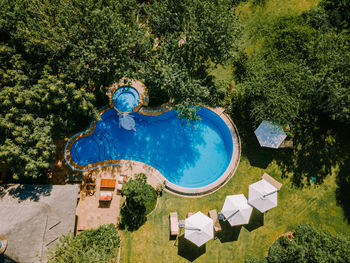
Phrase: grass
x=151 y=204
x=312 y=204
x=315 y=205
x=256 y=18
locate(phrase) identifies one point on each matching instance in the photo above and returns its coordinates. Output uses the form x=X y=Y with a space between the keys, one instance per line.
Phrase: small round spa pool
x=126 y=98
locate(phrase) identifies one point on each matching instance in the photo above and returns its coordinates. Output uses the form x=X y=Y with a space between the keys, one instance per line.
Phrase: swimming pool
x=186 y=155
x=126 y=98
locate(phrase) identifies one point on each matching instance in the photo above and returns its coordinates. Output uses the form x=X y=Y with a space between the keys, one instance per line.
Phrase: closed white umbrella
x=262 y=195
x=236 y=210
x=199 y=229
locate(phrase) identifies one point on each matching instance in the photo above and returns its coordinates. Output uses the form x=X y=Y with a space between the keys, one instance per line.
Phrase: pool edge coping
x=168 y=186
x=226 y=176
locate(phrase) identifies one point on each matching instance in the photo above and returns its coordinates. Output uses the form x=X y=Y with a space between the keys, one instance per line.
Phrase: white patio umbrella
x=270 y=134
x=262 y=195
x=236 y=210
x=199 y=229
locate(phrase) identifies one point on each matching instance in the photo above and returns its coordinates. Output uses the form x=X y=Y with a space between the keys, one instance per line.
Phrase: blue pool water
x=187 y=156
x=126 y=98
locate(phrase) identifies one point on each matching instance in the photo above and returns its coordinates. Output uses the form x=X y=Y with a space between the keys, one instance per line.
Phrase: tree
x=338 y=11
x=277 y=77
x=90 y=246
x=54 y=59
x=58 y=57
x=32 y=115
x=193 y=35
x=331 y=69
x=137 y=193
x=300 y=66
x=308 y=245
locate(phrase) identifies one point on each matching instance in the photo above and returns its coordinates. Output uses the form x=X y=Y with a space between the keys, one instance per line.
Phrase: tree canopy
x=300 y=65
x=139 y=195
x=308 y=245
x=58 y=57
x=96 y=245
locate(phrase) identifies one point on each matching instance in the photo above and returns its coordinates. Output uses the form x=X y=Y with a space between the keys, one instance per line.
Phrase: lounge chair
x=286 y=144
x=106 y=196
x=107 y=183
x=189 y=214
x=272 y=181
x=214 y=215
x=174 y=224
x=122 y=178
x=119 y=186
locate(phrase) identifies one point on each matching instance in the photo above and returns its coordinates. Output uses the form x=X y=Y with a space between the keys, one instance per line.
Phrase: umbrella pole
x=270 y=193
x=231 y=215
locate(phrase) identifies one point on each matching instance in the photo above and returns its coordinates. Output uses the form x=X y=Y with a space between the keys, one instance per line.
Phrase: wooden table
x=108 y=183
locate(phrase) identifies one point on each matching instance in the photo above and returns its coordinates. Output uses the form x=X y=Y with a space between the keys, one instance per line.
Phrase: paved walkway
x=91 y=213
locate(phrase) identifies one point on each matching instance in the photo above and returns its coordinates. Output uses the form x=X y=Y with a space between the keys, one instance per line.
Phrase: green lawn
x=315 y=205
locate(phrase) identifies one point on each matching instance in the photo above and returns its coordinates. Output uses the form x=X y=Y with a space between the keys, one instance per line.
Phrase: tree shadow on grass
x=342 y=192
x=256 y=220
x=228 y=233
x=320 y=144
x=132 y=217
x=188 y=250
x=258 y=156
x=317 y=148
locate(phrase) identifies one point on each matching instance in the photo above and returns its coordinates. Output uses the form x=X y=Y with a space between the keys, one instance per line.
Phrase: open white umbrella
x=262 y=195
x=199 y=229
x=270 y=134
x=236 y=210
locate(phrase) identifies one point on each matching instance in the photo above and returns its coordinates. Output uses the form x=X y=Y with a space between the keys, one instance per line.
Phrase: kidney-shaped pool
x=189 y=156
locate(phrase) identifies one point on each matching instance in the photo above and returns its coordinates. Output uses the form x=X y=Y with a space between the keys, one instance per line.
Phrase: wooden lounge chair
x=286 y=144
x=214 y=215
x=107 y=183
x=122 y=178
x=174 y=224
x=119 y=186
x=189 y=214
x=106 y=196
x=272 y=181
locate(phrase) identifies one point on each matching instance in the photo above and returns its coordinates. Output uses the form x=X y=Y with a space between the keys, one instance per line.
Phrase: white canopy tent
x=236 y=210
x=262 y=195
x=199 y=229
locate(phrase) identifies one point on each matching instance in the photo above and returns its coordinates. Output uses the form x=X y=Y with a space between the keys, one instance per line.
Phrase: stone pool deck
x=91 y=213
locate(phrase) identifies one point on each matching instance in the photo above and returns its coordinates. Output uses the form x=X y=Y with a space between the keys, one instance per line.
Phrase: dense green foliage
x=58 y=57
x=97 y=245
x=140 y=199
x=301 y=65
x=338 y=11
x=310 y=246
